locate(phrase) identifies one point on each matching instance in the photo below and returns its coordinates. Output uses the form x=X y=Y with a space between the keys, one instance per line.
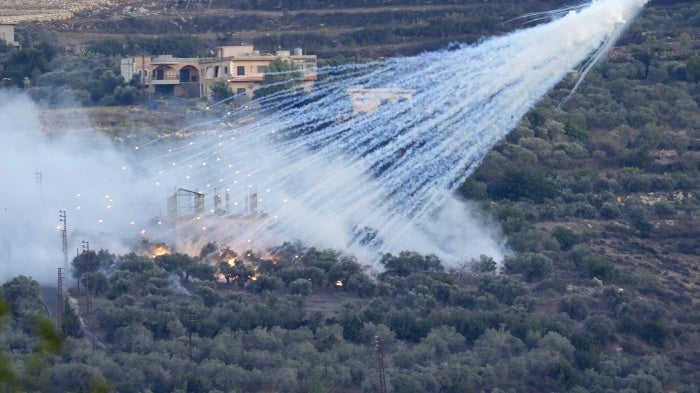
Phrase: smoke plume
x=366 y=162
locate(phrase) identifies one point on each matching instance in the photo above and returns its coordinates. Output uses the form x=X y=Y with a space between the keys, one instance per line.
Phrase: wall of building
x=7 y=34
x=241 y=67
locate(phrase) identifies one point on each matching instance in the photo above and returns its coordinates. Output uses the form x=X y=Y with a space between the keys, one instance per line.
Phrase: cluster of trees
x=590 y=300
x=58 y=78
x=309 y=320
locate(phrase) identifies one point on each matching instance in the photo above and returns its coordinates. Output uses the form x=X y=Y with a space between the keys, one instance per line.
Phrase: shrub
x=664 y=208
x=529 y=183
x=533 y=266
x=574 y=307
x=300 y=287
x=565 y=237
x=505 y=289
x=609 y=211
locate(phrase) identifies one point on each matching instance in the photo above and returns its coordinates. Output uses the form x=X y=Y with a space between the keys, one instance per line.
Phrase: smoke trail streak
x=391 y=170
x=367 y=181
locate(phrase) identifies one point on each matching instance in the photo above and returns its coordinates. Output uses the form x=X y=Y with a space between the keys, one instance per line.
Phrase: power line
x=89 y=316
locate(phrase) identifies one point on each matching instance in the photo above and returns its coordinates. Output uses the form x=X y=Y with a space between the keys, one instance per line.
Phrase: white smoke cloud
x=112 y=198
x=42 y=174
x=364 y=184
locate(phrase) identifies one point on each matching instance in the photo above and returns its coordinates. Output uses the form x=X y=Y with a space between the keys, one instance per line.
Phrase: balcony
x=166 y=80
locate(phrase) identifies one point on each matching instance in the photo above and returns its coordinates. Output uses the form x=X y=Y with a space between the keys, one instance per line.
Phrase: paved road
x=49 y=296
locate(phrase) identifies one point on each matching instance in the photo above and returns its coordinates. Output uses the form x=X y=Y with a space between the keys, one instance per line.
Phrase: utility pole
x=380 y=364
x=59 y=299
x=89 y=311
x=64 y=236
x=86 y=246
x=190 y=322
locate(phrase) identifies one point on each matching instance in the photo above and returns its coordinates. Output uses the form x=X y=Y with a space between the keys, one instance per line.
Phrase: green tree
x=314 y=384
x=265 y=283
x=609 y=211
x=121 y=95
x=524 y=183
x=95 y=282
x=692 y=69
x=342 y=271
x=109 y=47
x=220 y=90
x=175 y=263
x=49 y=343
x=644 y=55
x=533 y=266
x=17 y=290
x=280 y=76
x=201 y=271
x=28 y=63
x=70 y=323
x=300 y=287
x=227 y=270
x=408 y=262
x=85 y=262
x=78 y=378
x=565 y=237
x=574 y=307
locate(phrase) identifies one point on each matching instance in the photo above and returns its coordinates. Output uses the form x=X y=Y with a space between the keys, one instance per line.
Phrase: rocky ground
x=18 y=11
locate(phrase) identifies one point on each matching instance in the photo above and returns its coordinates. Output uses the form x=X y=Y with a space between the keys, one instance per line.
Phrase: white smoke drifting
x=43 y=174
x=365 y=183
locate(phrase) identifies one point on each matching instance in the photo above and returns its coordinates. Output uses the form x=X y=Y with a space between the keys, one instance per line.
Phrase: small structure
x=366 y=100
x=186 y=205
x=7 y=34
x=191 y=201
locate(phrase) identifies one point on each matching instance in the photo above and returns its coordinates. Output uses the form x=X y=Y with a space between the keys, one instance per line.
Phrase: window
x=262 y=69
x=240 y=70
x=225 y=70
x=216 y=71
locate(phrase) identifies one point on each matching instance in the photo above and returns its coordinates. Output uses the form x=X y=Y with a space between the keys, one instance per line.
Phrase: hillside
x=351 y=29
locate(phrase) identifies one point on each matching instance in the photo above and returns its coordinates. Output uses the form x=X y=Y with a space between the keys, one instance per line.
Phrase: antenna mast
x=59 y=300
x=64 y=236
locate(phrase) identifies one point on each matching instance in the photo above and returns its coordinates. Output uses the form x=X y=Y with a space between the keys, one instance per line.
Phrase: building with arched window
x=241 y=67
x=164 y=74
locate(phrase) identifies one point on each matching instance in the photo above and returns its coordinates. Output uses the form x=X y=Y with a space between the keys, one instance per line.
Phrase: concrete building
x=241 y=67
x=7 y=34
x=366 y=100
x=165 y=74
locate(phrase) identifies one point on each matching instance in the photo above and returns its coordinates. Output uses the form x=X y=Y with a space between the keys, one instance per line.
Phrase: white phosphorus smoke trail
x=381 y=177
x=376 y=181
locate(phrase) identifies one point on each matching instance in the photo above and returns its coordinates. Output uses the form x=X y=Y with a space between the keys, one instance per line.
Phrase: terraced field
x=19 y=11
